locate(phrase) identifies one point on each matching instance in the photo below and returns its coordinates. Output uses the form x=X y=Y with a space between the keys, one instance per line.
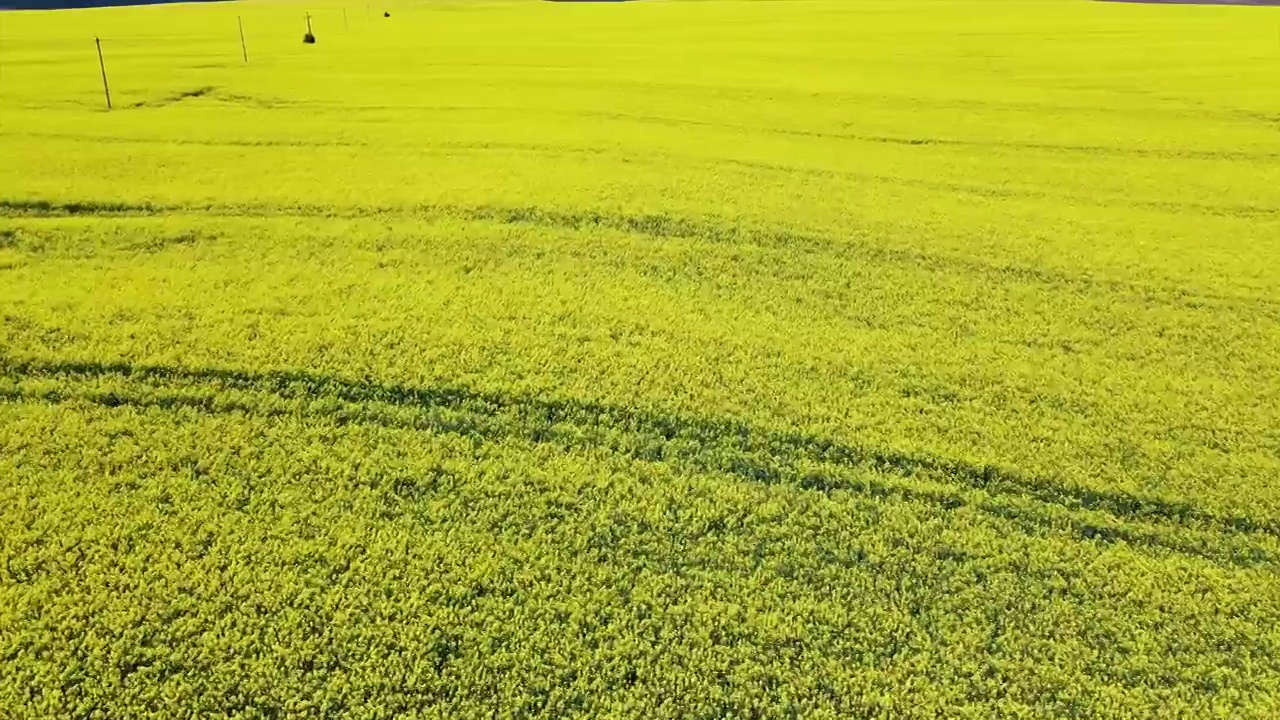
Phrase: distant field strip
x=658 y=226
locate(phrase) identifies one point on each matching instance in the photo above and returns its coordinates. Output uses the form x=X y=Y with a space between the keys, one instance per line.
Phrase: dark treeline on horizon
x=71 y=4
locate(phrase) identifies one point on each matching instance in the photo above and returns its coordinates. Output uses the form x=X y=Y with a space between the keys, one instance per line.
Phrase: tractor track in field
x=174 y=98
x=662 y=227
x=721 y=446
x=449 y=148
x=1260 y=156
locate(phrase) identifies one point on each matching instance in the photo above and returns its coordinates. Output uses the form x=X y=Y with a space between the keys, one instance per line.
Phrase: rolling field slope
x=874 y=358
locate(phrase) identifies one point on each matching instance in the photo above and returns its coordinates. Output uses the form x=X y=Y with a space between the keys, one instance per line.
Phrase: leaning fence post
x=102 y=65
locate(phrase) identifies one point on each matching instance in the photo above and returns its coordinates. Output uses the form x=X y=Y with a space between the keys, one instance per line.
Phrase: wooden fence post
x=102 y=65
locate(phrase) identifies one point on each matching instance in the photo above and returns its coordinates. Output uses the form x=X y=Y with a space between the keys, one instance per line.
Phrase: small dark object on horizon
x=309 y=39
x=386 y=14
